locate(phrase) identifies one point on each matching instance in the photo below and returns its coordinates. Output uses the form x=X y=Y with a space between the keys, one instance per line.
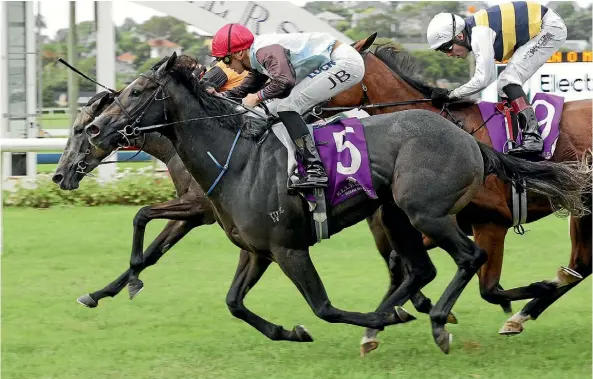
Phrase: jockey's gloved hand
x=440 y=96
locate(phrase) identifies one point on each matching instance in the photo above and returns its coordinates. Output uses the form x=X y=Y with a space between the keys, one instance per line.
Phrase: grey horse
x=424 y=170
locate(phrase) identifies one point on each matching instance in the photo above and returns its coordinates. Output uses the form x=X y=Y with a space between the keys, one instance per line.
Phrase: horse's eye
x=78 y=130
x=136 y=92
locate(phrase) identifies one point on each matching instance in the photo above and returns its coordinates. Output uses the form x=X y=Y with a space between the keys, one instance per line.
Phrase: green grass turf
x=54 y=121
x=179 y=326
x=51 y=167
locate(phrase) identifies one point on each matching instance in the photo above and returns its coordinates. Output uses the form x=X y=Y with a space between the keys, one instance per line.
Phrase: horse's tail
x=567 y=184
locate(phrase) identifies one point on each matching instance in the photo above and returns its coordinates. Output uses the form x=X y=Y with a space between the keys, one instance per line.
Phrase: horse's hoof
x=367 y=345
x=568 y=276
x=404 y=315
x=302 y=333
x=452 y=319
x=134 y=288
x=87 y=301
x=511 y=328
x=443 y=340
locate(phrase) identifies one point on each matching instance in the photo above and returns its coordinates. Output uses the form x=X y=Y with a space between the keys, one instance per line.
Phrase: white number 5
x=354 y=152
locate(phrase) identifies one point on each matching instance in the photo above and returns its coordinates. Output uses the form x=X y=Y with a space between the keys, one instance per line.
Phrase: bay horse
x=390 y=77
x=168 y=97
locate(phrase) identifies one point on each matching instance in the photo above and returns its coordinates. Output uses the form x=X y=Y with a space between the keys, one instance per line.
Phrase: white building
x=160 y=47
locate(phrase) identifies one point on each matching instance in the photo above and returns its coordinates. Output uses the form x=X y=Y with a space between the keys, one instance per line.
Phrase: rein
x=319 y=110
x=133 y=131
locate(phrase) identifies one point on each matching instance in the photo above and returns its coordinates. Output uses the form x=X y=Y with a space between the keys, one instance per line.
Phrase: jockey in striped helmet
x=526 y=33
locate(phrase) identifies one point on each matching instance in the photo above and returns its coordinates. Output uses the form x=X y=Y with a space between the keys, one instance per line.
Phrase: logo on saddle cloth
x=548 y=110
x=343 y=150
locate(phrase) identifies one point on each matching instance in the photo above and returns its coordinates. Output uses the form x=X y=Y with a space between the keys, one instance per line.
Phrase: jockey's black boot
x=298 y=131
x=532 y=141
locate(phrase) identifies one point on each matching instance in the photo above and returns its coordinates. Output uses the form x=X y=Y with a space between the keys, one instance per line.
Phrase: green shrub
x=129 y=189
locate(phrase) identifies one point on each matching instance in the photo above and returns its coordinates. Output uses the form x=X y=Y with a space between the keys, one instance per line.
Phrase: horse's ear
x=100 y=102
x=104 y=100
x=365 y=43
x=165 y=67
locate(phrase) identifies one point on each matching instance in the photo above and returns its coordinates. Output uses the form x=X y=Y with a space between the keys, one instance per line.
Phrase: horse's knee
x=421 y=302
x=472 y=262
x=490 y=294
x=426 y=275
x=141 y=218
x=235 y=307
x=327 y=313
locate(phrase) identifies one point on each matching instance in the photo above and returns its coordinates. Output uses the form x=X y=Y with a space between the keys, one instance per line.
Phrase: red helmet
x=230 y=39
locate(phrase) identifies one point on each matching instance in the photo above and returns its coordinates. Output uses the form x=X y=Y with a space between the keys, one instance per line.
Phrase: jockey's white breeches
x=345 y=69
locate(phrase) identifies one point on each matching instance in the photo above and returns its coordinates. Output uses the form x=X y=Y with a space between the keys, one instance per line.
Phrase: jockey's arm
x=252 y=83
x=483 y=49
x=282 y=75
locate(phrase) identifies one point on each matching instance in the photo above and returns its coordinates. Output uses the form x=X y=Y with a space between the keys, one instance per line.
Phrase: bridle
x=136 y=115
x=82 y=164
x=132 y=130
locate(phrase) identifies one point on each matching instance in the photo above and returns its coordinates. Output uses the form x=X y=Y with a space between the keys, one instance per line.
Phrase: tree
x=383 y=23
x=142 y=53
x=434 y=65
x=147 y=65
x=178 y=32
x=316 y=7
x=128 y=25
x=159 y=26
x=40 y=22
x=577 y=20
x=127 y=41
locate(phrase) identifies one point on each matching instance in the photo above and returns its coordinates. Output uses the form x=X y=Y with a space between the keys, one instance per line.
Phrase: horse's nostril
x=57 y=178
x=92 y=130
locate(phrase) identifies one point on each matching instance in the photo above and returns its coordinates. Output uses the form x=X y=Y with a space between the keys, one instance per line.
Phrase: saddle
x=341 y=187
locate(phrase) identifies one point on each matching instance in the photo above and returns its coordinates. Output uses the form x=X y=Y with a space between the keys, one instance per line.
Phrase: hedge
x=129 y=188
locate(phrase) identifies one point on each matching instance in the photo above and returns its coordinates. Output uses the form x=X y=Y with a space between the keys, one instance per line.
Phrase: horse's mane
x=252 y=128
x=406 y=67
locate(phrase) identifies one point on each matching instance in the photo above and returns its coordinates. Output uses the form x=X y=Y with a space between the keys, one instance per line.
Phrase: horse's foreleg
x=184 y=208
x=171 y=234
x=580 y=263
x=250 y=269
x=491 y=237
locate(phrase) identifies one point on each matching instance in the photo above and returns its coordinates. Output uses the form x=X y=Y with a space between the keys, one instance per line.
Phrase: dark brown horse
x=190 y=209
x=389 y=78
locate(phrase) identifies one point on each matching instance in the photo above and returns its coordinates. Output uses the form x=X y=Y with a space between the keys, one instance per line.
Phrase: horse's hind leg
x=580 y=263
x=297 y=265
x=394 y=263
x=467 y=256
x=250 y=269
x=173 y=232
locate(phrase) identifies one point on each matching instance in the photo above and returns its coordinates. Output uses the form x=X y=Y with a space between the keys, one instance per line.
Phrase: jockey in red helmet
x=296 y=71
